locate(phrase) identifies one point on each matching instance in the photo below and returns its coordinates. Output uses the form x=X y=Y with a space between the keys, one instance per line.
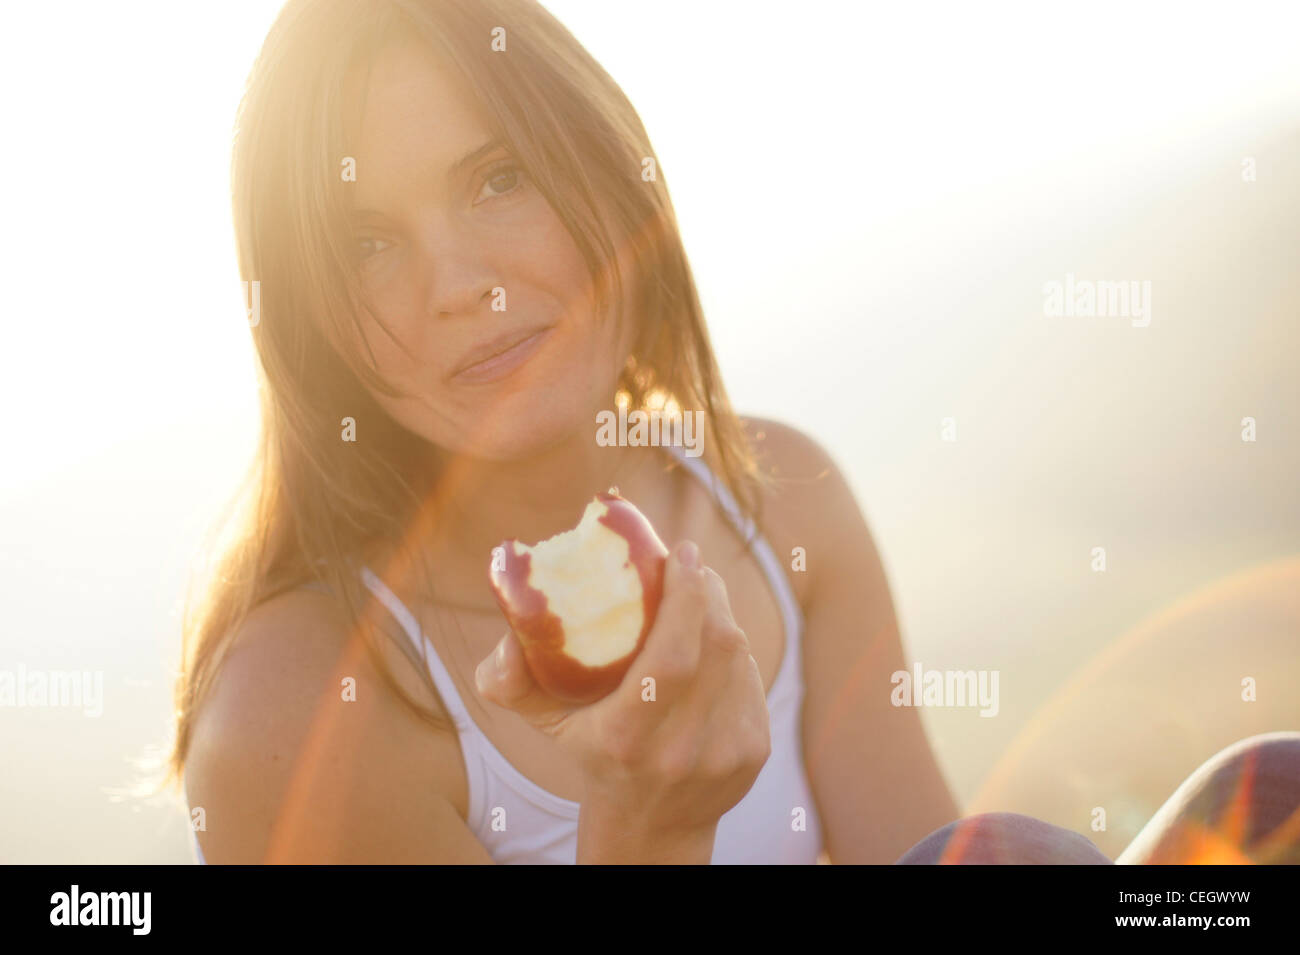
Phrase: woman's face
x=446 y=226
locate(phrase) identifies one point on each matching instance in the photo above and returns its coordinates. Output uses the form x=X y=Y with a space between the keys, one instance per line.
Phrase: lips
x=502 y=355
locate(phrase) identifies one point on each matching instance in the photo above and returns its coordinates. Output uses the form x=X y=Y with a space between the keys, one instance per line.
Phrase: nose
x=455 y=268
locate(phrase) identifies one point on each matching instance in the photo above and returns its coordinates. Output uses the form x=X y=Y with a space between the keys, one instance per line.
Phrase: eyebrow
x=473 y=156
x=459 y=166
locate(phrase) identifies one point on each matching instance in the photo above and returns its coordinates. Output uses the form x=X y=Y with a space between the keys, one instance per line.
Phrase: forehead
x=408 y=121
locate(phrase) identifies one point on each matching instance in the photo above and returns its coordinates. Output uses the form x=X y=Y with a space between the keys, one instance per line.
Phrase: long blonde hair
x=309 y=507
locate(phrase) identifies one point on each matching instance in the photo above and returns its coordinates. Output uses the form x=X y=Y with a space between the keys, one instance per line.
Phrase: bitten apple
x=582 y=602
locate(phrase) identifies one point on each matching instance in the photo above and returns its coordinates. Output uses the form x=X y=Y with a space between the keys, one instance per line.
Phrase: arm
x=288 y=772
x=878 y=786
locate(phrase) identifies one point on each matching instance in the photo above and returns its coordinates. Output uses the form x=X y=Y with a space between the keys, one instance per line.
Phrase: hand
x=673 y=765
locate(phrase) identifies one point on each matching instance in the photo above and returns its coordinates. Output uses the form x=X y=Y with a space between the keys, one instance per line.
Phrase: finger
x=672 y=651
x=721 y=631
x=727 y=667
x=503 y=678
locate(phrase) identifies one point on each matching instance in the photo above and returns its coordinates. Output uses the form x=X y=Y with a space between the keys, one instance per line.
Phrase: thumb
x=493 y=677
x=503 y=678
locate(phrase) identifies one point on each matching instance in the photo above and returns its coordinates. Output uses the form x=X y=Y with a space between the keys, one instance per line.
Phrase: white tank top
x=519 y=822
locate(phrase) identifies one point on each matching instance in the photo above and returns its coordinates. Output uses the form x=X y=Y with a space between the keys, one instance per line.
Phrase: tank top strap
x=745 y=526
x=441 y=678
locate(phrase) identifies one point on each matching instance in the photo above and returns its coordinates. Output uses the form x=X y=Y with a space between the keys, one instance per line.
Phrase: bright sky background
x=807 y=146
x=872 y=195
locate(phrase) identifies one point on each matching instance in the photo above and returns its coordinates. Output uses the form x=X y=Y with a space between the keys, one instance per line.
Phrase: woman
x=464 y=254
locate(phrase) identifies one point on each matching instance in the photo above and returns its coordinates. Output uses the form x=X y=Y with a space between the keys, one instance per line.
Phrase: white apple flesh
x=582 y=602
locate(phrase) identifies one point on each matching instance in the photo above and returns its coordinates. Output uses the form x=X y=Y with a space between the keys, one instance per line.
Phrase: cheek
x=399 y=358
x=555 y=282
x=554 y=263
x=548 y=260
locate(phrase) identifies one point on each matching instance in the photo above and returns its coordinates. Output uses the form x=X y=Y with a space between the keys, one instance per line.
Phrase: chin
x=528 y=423
x=519 y=442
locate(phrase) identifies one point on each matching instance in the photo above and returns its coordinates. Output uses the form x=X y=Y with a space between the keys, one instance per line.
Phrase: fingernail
x=483 y=675
x=490 y=669
x=688 y=554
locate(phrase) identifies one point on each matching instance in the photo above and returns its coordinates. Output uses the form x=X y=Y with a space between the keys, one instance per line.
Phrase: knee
x=1278 y=752
x=1240 y=805
x=1265 y=766
x=1253 y=788
x=1003 y=838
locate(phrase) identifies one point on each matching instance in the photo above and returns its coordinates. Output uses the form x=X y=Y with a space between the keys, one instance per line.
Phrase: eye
x=362 y=254
x=501 y=180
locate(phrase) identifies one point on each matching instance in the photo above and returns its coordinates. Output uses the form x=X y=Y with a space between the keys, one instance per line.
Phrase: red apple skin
x=540 y=632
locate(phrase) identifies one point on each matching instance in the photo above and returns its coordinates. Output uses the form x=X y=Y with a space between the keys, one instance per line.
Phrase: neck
x=527 y=499
x=477 y=504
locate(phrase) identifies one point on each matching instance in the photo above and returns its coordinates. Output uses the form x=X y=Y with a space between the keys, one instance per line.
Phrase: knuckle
x=679 y=761
x=755 y=734
x=761 y=745
x=752 y=753
x=725 y=762
x=621 y=740
x=730 y=638
x=711 y=578
x=676 y=667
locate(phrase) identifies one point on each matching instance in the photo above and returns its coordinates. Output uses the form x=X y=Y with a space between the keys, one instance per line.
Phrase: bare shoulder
x=277 y=658
x=293 y=653
x=809 y=504
x=303 y=753
x=789 y=454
